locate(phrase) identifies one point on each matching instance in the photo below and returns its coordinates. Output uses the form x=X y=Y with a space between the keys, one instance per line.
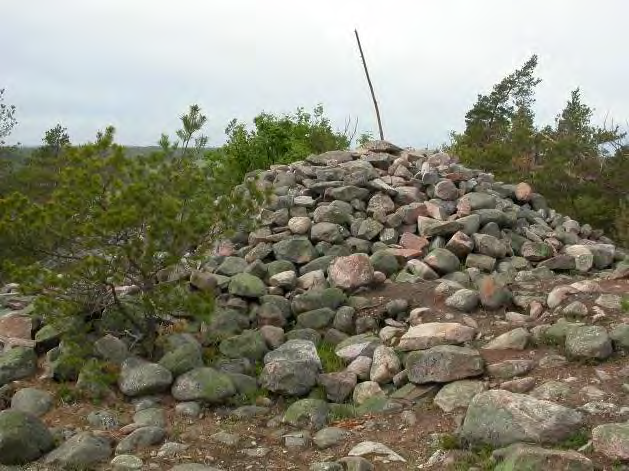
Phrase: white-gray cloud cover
x=138 y=64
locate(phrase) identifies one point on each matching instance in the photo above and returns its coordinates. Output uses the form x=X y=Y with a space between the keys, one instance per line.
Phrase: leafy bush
x=277 y=140
x=111 y=221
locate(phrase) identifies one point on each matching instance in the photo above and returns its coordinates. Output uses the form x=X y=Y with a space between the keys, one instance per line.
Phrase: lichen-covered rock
x=431 y=334
x=23 y=438
x=443 y=363
x=307 y=413
x=203 y=384
x=590 y=341
x=32 y=401
x=17 y=363
x=247 y=286
x=140 y=378
x=523 y=457
x=612 y=440
x=500 y=418
x=457 y=395
x=82 y=450
x=291 y=369
x=250 y=344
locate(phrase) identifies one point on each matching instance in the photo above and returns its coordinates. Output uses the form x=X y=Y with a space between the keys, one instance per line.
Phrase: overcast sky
x=138 y=64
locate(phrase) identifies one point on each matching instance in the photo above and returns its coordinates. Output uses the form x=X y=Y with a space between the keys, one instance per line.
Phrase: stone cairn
x=337 y=225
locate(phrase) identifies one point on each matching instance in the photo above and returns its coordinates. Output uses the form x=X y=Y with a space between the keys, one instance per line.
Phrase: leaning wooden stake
x=373 y=95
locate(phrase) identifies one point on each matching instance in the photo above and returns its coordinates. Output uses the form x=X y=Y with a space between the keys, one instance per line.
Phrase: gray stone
x=232 y=266
x=443 y=363
x=485 y=244
x=182 y=359
x=339 y=385
x=250 y=344
x=112 y=349
x=23 y=438
x=126 y=463
x=515 y=339
x=141 y=438
x=357 y=345
x=620 y=336
x=551 y=391
x=17 y=363
x=80 y=451
x=465 y=300
x=317 y=319
x=442 y=261
x=307 y=413
x=152 y=416
x=292 y=369
x=32 y=401
x=589 y=341
x=247 y=286
x=500 y=418
x=329 y=437
x=424 y=336
x=523 y=457
x=318 y=298
x=203 y=384
x=141 y=378
x=296 y=249
x=612 y=440
x=482 y=262
x=508 y=369
x=458 y=395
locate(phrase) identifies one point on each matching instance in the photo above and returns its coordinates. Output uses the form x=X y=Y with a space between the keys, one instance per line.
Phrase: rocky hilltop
x=392 y=310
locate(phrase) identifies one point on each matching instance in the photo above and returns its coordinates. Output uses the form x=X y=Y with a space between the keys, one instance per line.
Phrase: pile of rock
x=337 y=224
x=353 y=219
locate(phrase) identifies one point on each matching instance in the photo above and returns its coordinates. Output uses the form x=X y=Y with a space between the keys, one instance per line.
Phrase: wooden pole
x=373 y=95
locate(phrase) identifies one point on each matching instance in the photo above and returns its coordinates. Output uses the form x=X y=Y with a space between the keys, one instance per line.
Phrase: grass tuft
x=329 y=359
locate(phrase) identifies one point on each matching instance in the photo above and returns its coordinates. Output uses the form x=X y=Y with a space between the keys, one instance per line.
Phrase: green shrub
x=113 y=221
x=277 y=140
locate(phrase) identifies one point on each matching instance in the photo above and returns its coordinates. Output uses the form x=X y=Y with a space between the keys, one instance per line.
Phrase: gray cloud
x=139 y=64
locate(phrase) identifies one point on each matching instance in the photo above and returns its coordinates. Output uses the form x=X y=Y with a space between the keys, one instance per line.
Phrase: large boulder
x=23 y=438
x=500 y=418
x=291 y=369
x=203 y=384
